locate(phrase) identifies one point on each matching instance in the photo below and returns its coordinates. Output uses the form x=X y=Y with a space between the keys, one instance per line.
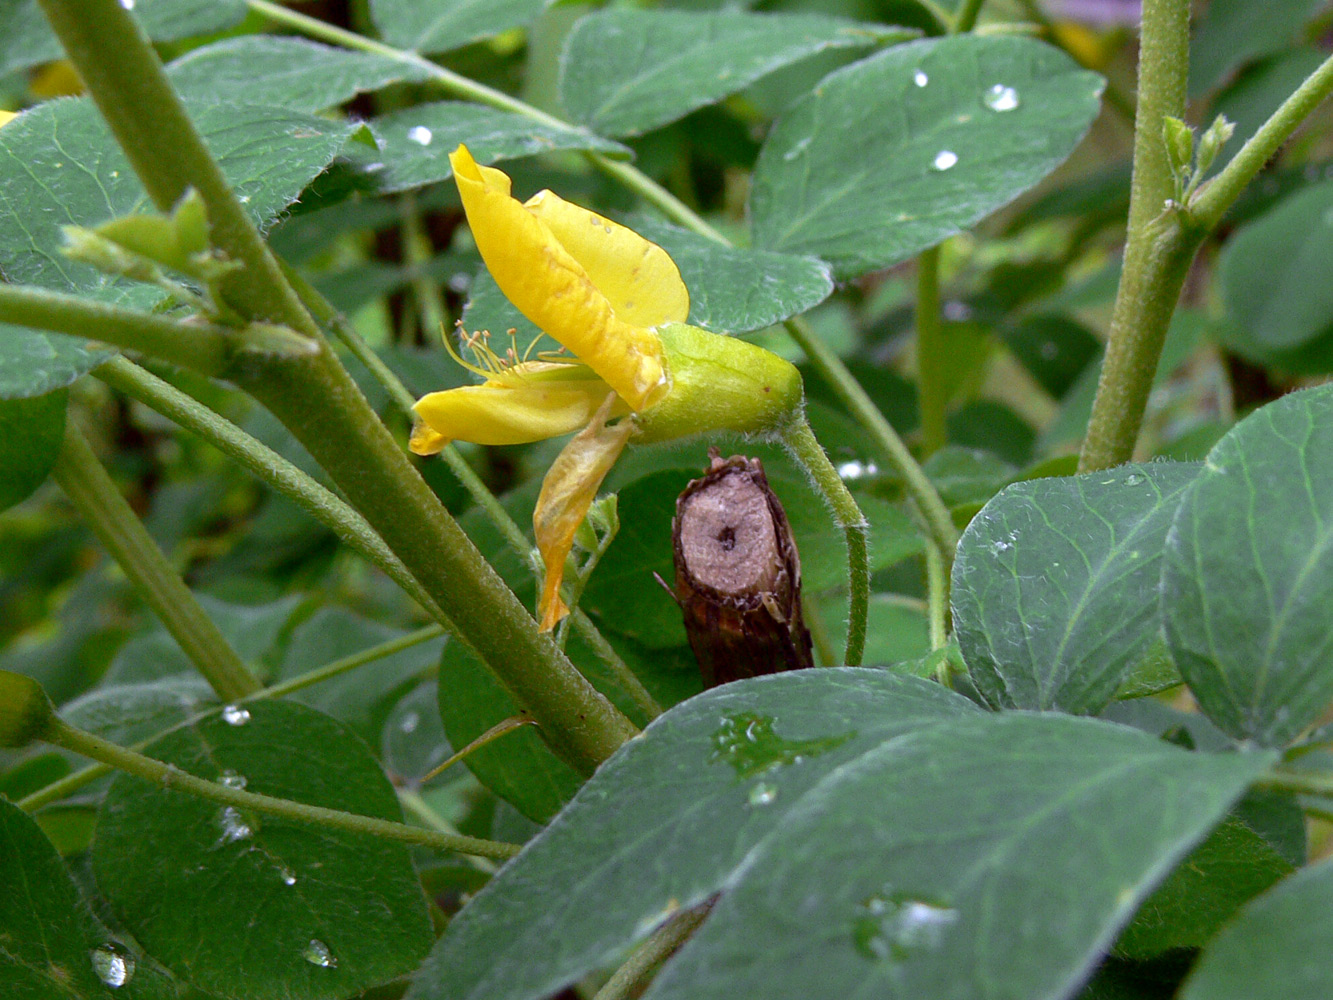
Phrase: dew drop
x=231 y=779
x=920 y=78
x=763 y=794
x=317 y=953
x=797 y=149
x=945 y=159
x=857 y=470
x=288 y=876
x=113 y=965
x=998 y=547
x=1000 y=98
x=234 y=826
x=410 y=722
x=128 y=5
x=893 y=927
x=1133 y=479
x=235 y=715
x=420 y=135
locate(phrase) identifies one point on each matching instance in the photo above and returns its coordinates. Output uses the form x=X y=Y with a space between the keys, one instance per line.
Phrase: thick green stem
x=317 y=400
x=630 y=979
x=967 y=17
x=800 y=441
x=100 y=504
x=939 y=525
x=1152 y=275
x=1216 y=197
x=269 y=466
x=937 y=587
x=168 y=776
x=204 y=347
x=932 y=361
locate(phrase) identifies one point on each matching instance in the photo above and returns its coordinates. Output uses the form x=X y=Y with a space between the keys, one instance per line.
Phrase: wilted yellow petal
x=567 y=492
x=549 y=286
x=638 y=278
x=495 y=414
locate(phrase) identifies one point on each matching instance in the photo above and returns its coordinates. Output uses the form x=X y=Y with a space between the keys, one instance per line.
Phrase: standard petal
x=493 y=414
x=567 y=492
x=638 y=277
x=550 y=287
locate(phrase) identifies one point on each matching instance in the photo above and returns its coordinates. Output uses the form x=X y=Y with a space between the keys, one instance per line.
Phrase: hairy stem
x=939 y=525
x=317 y=400
x=1151 y=280
x=317 y=501
x=628 y=981
x=937 y=586
x=62 y=734
x=204 y=347
x=100 y=504
x=932 y=362
x=800 y=441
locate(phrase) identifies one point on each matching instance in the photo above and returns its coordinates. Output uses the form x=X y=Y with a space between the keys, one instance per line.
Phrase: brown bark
x=738 y=575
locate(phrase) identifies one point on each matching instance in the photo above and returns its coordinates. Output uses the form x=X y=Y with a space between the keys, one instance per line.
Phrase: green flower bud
x=26 y=713
x=720 y=383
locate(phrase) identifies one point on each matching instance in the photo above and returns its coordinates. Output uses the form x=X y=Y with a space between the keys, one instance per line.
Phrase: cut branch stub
x=738 y=575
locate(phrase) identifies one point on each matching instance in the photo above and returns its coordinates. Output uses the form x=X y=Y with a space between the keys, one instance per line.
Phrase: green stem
x=316 y=399
x=472 y=483
x=1156 y=259
x=62 y=734
x=270 y=467
x=100 y=504
x=71 y=783
x=939 y=525
x=967 y=17
x=628 y=981
x=1316 y=783
x=204 y=347
x=414 y=803
x=932 y=362
x=937 y=586
x=1216 y=197
x=800 y=441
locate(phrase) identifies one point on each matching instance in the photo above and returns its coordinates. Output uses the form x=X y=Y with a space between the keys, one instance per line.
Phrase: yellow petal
x=7 y=116
x=567 y=492
x=497 y=414
x=638 y=277
x=550 y=287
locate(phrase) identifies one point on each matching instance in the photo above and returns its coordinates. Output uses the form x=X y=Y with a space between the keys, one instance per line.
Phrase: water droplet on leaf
x=317 y=953
x=420 y=135
x=1000 y=98
x=762 y=794
x=231 y=779
x=748 y=743
x=235 y=715
x=234 y=826
x=894 y=926
x=288 y=876
x=1133 y=479
x=920 y=78
x=945 y=159
x=410 y=722
x=113 y=965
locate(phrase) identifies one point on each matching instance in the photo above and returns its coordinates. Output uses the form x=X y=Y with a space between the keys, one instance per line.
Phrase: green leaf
x=1273 y=275
x=60 y=166
x=130 y=713
x=518 y=767
x=1248 y=573
x=625 y=72
x=305 y=911
x=415 y=143
x=1276 y=949
x=1054 y=348
x=51 y=946
x=666 y=822
x=284 y=72
x=1236 y=31
x=942 y=865
x=1232 y=866
x=873 y=167
x=31 y=431
x=1055 y=585
x=34 y=364
x=734 y=289
x=448 y=24
x=25 y=38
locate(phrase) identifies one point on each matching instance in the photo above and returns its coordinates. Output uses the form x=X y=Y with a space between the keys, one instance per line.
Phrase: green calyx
x=720 y=383
x=26 y=713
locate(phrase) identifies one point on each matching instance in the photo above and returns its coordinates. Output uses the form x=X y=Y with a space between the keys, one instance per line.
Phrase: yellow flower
x=618 y=304
x=7 y=116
